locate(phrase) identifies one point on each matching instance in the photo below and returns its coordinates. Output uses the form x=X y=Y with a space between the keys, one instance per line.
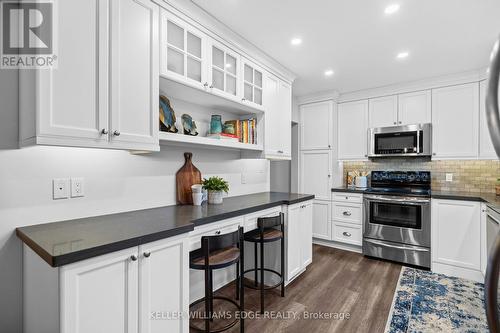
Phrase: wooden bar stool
x=267 y=232
x=218 y=252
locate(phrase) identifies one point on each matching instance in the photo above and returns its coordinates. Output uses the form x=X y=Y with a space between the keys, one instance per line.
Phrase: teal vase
x=216 y=124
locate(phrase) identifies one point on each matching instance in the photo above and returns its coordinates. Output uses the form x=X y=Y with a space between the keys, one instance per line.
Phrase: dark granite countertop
x=62 y=243
x=349 y=189
x=490 y=199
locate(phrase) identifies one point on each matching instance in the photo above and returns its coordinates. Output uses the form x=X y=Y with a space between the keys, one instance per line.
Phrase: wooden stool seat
x=269 y=235
x=218 y=259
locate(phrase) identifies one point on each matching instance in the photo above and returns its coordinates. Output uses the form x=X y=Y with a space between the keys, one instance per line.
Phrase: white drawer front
x=347 y=233
x=347 y=197
x=347 y=213
x=213 y=229
x=251 y=219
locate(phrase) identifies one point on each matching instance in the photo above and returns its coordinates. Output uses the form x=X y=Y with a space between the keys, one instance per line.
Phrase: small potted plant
x=215 y=186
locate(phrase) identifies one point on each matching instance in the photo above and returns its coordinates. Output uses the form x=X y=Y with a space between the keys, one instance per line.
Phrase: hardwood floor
x=337 y=281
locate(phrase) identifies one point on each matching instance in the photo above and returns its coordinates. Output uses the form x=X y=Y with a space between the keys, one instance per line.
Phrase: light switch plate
x=77 y=187
x=60 y=188
x=449 y=177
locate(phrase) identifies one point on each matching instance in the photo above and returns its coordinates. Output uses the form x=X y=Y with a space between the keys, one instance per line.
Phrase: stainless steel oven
x=408 y=140
x=397 y=228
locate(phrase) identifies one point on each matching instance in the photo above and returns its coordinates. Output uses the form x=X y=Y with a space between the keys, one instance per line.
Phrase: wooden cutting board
x=187 y=176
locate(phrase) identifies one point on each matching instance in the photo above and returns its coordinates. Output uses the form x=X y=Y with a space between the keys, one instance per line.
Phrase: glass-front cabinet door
x=223 y=70
x=252 y=83
x=183 y=51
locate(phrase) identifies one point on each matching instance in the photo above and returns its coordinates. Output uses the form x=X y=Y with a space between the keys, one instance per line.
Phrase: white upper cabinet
x=455 y=121
x=224 y=71
x=316 y=125
x=383 y=111
x=252 y=83
x=111 y=51
x=486 y=149
x=353 y=130
x=415 y=108
x=183 y=48
x=278 y=117
x=134 y=72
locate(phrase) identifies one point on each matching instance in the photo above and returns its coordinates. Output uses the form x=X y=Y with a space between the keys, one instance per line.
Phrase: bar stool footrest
x=224 y=328
x=247 y=285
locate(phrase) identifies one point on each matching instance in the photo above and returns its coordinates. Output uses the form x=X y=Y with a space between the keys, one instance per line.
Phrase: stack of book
x=245 y=130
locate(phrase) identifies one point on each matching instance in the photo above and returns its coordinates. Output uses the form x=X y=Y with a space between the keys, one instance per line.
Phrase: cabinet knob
x=329 y=176
x=394 y=123
x=205 y=84
x=147 y=254
x=434 y=154
x=133 y=257
x=400 y=122
x=347 y=234
x=211 y=86
x=116 y=133
x=329 y=146
x=366 y=155
x=104 y=131
x=280 y=151
x=243 y=99
x=347 y=198
x=217 y=232
x=346 y=213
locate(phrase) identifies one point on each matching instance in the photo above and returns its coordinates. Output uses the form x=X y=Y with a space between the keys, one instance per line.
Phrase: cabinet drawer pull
x=116 y=133
x=104 y=131
x=280 y=151
x=346 y=213
x=205 y=84
x=217 y=232
x=347 y=198
x=133 y=257
x=147 y=254
x=347 y=234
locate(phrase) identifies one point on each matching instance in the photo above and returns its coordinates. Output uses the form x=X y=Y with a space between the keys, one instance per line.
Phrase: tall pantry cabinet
x=316 y=172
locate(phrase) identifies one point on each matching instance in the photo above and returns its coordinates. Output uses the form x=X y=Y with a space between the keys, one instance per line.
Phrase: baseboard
x=337 y=245
x=463 y=273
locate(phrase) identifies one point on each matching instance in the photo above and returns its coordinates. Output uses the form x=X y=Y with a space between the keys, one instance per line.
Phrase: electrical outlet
x=77 y=187
x=449 y=177
x=60 y=187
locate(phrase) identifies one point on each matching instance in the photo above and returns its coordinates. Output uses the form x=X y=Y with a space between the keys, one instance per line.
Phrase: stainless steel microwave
x=398 y=141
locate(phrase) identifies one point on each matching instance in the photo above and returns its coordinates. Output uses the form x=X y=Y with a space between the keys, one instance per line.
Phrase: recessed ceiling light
x=296 y=41
x=391 y=9
x=329 y=72
x=403 y=55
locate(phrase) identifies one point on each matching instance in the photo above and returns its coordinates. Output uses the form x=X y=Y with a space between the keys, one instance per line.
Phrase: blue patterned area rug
x=429 y=302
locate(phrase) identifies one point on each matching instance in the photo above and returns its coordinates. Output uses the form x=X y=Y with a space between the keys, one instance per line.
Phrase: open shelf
x=205 y=98
x=181 y=139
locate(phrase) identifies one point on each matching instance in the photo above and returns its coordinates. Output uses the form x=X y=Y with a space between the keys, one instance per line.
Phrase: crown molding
x=204 y=21
x=425 y=84
x=318 y=97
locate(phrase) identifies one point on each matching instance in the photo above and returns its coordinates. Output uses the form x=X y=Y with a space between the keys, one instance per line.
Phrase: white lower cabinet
x=347 y=218
x=458 y=243
x=298 y=238
x=140 y=289
x=321 y=225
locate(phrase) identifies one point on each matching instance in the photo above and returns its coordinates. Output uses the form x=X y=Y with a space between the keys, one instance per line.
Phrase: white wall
x=115 y=181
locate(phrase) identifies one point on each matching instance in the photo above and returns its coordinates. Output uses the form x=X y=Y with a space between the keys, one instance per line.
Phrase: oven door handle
x=399 y=247
x=392 y=199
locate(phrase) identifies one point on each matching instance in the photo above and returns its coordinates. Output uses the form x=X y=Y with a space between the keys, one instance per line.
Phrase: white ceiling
x=359 y=41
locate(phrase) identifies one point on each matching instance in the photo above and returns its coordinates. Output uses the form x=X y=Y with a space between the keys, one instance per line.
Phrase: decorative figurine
x=189 y=125
x=167 y=116
x=216 y=124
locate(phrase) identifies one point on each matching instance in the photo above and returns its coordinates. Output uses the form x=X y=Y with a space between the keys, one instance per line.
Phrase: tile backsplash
x=468 y=175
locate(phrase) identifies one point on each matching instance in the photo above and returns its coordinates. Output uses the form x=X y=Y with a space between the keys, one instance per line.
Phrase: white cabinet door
x=252 y=83
x=278 y=117
x=316 y=125
x=321 y=220
x=383 y=111
x=486 y=149
x=164 y=285
x=183 y=51
x=100 y=295
x=456 y=233
x=293 y=241
x=415 y=108
x=72 y=99
x=455 y=116
x=306 y=229
x=134 y=74
x=224 y=71
x=352 y=130
x=316 y=173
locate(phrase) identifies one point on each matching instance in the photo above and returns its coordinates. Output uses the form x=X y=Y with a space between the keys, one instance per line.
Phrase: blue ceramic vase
x=216 y=124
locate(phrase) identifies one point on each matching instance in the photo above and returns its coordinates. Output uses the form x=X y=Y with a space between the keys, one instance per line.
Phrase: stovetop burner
x=409 y=183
